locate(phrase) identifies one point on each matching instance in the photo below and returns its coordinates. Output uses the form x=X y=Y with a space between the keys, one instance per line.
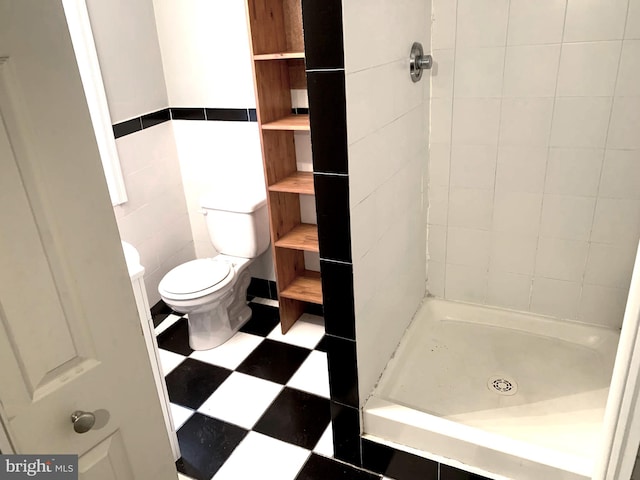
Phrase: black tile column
x=324 y=54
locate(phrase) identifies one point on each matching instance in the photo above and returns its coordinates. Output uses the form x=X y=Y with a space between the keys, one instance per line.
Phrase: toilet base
x=211 y=328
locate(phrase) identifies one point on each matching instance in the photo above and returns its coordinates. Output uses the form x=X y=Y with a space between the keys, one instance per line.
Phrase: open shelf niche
x=277 y=44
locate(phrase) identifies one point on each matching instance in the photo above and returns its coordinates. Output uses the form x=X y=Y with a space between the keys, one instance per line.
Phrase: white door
x=70 y=338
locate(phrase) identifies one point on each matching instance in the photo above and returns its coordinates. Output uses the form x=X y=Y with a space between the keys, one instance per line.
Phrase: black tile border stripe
x=137 y=124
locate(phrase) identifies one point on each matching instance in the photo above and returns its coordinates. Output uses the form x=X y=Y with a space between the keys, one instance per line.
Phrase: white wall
x=534 y=171
x=207 y=63
x=127 y=44
x=212 y=156
x=387 y=121
x=155 y=218
x=205 y=53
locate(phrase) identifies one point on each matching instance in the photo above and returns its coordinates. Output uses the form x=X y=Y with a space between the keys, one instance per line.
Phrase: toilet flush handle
x=203 y=211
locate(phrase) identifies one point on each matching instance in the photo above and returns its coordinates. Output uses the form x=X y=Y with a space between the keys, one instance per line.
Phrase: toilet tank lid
x=235 y=200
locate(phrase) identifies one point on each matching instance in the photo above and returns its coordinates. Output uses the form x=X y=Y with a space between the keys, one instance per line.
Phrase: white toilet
x=213 y=291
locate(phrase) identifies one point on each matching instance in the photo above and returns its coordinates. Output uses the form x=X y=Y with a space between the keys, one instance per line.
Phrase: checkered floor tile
x=255 y=407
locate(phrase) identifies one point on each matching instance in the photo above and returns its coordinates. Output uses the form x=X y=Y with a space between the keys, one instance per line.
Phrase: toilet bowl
x=212 y=291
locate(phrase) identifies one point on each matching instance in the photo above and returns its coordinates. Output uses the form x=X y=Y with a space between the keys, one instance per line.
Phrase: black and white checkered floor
x=255 y=407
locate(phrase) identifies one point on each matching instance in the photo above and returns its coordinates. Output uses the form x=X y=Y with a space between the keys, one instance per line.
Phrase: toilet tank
x=237 y=221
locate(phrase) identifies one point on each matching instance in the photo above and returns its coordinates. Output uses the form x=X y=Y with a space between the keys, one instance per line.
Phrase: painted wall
x=127 y=44
x=387 y=121
x=535 y=141
x=207 y=63
x=155 y=219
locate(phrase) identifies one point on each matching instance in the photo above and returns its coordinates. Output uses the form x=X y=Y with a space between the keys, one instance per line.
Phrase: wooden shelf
x=306 y=287
x=301 y=237
x=299 y=182
x=279 y=56
x=290 y=122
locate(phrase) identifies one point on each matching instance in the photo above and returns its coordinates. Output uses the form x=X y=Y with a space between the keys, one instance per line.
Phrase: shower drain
x=502 y=385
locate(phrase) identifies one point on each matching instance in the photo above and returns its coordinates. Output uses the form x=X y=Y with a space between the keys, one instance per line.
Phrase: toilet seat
x=197 y=278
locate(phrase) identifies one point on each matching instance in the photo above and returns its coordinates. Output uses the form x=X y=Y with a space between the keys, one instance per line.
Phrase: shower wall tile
x=387 y=134
x=580 y=122
x=595 y=20
x=442 y=73
x=561 y=259
x=473 y=166
x=533 y=23
x=620 y=174
x=608 y=264
x=443 y=33
x=616 y=220
x=567 y=217
x=441 y=115
x=574 y=171
x=437 y=243
x=558 y=298
x=482 y=23
x=633 y=20
x=438 y=200
x=439 y=163
x=509 y=290
x=479 y=72
x=625 y=124
x=517 y=212
x=533 y=169
x=627 y=84
x=513 y=253
x=578 y=78
x=470 y=207
x=465 y=283
x=602 y=305
x=526 y=121
x=531 y=70
x=521 y=169
x=369 y=30
x=466 y=246
x=435 y=278
x=476 y=121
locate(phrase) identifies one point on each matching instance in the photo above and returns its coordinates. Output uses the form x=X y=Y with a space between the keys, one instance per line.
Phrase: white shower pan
x=510 y=394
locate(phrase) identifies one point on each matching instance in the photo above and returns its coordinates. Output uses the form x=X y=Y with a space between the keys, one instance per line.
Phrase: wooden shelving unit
x=278 y=53
x=279 y=56
x=290 y=122
x=301 y=237
x=297 y=182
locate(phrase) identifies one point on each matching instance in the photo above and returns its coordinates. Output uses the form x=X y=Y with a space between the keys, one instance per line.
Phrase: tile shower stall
x=513 y=176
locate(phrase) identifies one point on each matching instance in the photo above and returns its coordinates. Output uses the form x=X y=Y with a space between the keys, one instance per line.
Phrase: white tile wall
x=134 y=82
x=535 y=154
x=388 y=153
x=155 y=219
x=214 y=155
x=200 y=68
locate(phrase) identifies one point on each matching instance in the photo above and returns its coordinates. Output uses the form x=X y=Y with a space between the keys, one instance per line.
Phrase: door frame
x=86 y=54
x=621 y=432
